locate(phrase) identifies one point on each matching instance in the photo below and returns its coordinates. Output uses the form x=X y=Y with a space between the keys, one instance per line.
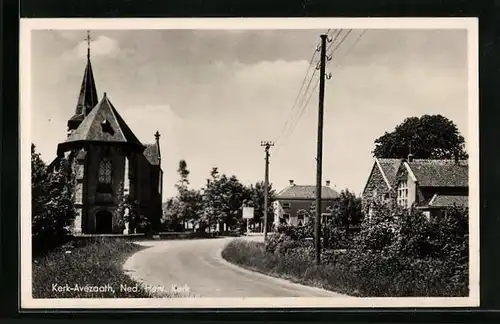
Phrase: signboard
x=248 y=212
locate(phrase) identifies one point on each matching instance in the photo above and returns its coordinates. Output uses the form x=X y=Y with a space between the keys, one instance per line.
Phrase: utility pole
x=267 y=145
x=319 y=156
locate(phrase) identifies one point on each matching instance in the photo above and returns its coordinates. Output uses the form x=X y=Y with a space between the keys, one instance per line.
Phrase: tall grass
x=353 y=273
x=90 y=265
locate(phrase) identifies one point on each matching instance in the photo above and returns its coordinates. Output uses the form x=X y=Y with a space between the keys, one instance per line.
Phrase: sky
x=214 y=95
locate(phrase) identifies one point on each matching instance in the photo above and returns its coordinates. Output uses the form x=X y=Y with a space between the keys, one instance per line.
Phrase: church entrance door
x=104 y=222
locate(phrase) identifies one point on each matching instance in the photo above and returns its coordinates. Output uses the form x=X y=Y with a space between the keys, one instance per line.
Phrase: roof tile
x=306 y=192
x=151 y=154
x=104 y=124
x=440 y=173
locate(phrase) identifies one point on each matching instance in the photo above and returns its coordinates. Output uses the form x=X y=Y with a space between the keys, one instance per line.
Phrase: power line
x=302 y=86
x=304 y=106
x=340 y=43
x=334 y=38
x=299 y=93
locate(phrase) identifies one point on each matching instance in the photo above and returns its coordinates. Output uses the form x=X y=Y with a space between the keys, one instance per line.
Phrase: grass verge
x=87 y=269
x=353 y=274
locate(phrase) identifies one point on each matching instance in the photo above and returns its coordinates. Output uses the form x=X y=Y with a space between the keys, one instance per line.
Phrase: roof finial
x=88 y=39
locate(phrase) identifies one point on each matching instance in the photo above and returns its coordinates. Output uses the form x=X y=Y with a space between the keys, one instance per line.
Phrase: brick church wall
x=97 y=201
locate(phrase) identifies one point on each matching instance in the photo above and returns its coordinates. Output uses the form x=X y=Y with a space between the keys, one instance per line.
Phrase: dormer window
x=106 y=127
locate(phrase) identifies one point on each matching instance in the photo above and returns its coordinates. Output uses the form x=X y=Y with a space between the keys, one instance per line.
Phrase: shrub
x=397 y=253
x=52 y=203
x=297 y=232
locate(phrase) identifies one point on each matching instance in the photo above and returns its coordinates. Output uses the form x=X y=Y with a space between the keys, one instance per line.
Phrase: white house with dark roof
x=431 y=185
x=294 y=198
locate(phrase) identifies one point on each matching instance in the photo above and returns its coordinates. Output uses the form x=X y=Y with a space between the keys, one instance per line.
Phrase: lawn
x=87 y=269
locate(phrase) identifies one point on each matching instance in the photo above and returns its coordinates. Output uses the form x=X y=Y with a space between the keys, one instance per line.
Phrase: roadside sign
x=248 y=212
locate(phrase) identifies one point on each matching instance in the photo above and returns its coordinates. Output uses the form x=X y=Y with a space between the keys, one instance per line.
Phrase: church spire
x=88 y=39
x=87 y=98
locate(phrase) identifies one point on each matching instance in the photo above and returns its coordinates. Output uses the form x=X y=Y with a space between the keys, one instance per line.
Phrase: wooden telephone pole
x=267 y=145
x=319 y=157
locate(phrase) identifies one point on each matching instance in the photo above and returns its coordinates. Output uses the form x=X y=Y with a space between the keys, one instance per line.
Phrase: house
x=381 y=183
x=431 y=185
x=108 y=162
x=425 y=184
x=294 y=198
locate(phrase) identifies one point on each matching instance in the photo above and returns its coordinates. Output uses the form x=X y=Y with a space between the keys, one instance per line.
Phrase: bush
x=397 y=253
x=52 y=203
x=297 y=232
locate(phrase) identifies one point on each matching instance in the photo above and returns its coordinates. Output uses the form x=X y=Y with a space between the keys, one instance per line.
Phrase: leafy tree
x=52 y=211
x=347 y=209
x=189 y=201
x=223 y=198
x=427 y=137
x=256 y=199
x=172 y=219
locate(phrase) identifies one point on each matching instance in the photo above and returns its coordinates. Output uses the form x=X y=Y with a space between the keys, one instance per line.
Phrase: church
x=110 y=165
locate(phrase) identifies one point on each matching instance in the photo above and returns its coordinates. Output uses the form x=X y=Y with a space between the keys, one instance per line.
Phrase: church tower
x=88 y=94
x=104 y=153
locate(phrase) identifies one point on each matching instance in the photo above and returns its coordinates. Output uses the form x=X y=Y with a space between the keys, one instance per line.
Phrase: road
x=199 y=265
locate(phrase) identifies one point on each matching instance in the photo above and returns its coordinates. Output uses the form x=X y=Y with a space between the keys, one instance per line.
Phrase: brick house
x=428 y=185
x=381 y=183
x=108 y=161
x=294 y=198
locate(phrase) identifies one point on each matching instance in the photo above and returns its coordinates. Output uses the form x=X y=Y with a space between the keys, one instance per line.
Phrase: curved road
x=199 y=265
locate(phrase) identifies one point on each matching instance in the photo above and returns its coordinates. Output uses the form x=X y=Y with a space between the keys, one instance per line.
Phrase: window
x=403 y=194
x=104 y=177
x=286 y=205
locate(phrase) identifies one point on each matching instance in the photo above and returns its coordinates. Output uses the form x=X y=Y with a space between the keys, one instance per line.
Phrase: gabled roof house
x=425 y=184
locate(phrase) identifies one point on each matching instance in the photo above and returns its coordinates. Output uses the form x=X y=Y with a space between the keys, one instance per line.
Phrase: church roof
x=152 y=154
x=88 y=94
x=103 y=124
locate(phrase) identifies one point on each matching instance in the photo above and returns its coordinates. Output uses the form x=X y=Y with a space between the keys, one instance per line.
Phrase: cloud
x=102 y=46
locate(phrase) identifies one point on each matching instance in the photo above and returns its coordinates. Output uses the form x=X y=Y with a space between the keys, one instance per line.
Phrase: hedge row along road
x=198 y=265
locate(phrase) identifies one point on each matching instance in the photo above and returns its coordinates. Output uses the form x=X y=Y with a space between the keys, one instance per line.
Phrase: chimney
x=291 y=183
x=328 y=183
x=410 y=157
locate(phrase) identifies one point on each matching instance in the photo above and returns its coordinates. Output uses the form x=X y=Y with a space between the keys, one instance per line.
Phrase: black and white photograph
x=258 y=163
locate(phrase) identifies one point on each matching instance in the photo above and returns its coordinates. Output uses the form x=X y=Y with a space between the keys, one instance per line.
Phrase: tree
x=172 y=219
x=189 y=200
x=52 y=208
x=223 y=198
x=427 y=137
x=347 y=209
x=256 y=199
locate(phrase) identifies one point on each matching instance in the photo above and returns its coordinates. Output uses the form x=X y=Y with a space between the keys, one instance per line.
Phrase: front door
x=104 y=222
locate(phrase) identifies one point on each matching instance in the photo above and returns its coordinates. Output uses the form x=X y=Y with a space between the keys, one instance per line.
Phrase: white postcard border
x=27 y=25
